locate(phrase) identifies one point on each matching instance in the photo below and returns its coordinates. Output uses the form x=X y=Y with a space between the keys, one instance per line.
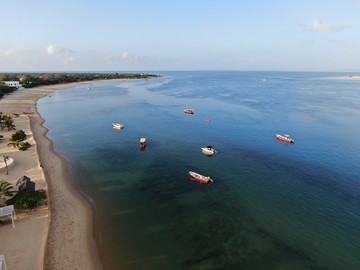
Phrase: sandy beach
x=59 y=235
x=350 y=78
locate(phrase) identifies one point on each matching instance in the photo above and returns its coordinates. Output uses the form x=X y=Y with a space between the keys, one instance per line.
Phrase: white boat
x=188 y=110
x=200 y=178
x=142 y=143
x=117 y=126
x=208 y=150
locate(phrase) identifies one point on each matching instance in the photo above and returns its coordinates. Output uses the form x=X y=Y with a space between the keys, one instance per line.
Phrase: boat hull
x=284 y=139
x=200 y=178
x=142 y=143
x=208 y=151
x=117 y=126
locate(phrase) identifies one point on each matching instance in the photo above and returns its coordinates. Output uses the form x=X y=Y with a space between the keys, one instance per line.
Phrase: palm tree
x=6 y=190
x=15 y=144
x=17 y=139
x=6 y=121
x=6 y=158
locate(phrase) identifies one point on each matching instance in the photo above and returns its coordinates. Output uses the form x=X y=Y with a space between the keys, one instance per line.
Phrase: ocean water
x=272 y=205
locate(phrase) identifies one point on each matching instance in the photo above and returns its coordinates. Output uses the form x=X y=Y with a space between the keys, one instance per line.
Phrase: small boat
x=284 y=138
x=200 y=178
x=142 y=143
x=117 y=126
x=188 y=110
x=208 y=150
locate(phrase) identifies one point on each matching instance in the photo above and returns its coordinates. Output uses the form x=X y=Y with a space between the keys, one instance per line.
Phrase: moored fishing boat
x=188 y=110
x=142 y=143
x=208 y=150
x=200 y=178
x=117 y=126
x=284 y=138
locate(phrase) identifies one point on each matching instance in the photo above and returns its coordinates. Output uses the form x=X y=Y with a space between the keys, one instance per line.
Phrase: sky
x=144 y=35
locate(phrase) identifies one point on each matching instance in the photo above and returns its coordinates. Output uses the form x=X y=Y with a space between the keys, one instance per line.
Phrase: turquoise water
x=272 y=205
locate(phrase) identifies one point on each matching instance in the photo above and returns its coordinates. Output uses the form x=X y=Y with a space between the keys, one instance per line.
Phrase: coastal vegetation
x=20 y=199
x=7 y=122
x=29 y=80
x=17 y=140
x=4 y=89
x=6 y=190
x=27 y=199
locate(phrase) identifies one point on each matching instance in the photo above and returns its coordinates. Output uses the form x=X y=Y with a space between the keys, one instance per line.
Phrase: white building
x=16 y=84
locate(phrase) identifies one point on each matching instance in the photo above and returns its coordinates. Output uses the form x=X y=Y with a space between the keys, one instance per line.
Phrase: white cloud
x=53 y=50
x=319 y=26
x=18 y=57
x=65 y=54
x=9 y=53
x=124 y=55
x=127 y=57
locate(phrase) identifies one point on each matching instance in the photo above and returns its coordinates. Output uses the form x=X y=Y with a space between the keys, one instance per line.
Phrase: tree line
x=29 y=80
x=4 y=89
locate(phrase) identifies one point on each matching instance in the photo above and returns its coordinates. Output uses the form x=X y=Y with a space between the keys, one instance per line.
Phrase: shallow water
x=272 y=206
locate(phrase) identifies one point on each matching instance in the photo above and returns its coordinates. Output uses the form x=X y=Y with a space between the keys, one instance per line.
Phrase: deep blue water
x=272 y=205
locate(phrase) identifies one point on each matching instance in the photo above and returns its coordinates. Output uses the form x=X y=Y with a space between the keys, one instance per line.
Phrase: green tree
x=18 y=135
x=4 y=89
x=24 y=146
x=6 y=190
x=17 y=140
x=27 y=199
x=6 y=121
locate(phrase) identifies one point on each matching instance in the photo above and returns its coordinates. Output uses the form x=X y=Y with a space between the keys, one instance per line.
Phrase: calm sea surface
x=272 y=205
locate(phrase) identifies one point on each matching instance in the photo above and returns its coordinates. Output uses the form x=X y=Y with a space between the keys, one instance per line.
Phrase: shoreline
x=66 y=237
x=348 y=78
x=70 y=220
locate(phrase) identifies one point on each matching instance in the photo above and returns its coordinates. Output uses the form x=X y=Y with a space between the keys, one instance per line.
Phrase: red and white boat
x=200 y=178
x=284 y=138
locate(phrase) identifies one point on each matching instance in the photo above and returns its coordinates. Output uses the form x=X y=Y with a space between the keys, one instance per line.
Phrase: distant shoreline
x=350 y=78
